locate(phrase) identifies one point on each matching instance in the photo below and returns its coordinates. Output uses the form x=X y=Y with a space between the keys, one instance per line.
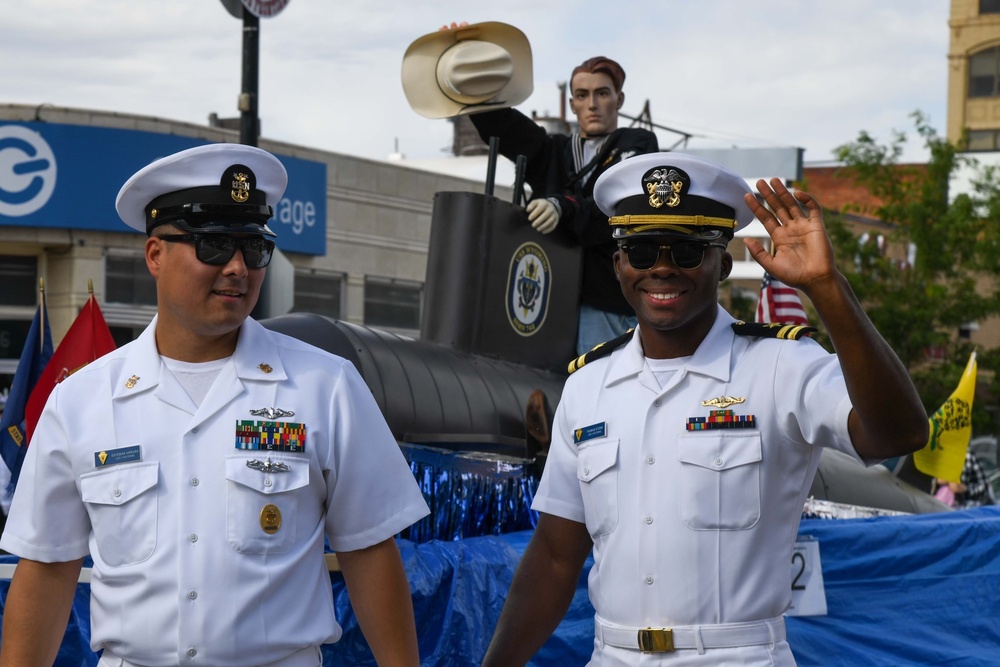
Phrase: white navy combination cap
x=672 y=194
x=211 y=189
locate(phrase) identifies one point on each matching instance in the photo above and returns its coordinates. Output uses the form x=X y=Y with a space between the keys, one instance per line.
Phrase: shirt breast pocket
x=720 y=480
x=122 y=503
x=262 y=507
x=597 y=471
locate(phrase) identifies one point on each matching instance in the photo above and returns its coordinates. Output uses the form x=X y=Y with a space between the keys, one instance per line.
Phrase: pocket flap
x=118 y=484
x=719 y=452
x=595 y=459
x=295 y=477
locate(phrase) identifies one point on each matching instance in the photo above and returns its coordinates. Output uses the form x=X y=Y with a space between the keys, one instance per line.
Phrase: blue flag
x=36 y=354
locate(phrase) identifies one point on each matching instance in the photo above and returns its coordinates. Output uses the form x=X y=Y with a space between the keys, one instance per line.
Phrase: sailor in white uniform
x=682 y=453
x=202 y=465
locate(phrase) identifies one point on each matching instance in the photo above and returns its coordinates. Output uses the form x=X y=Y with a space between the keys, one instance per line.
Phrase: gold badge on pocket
x=270 y=519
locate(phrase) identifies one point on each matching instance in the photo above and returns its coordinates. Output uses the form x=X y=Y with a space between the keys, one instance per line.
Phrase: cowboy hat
x=467 y=69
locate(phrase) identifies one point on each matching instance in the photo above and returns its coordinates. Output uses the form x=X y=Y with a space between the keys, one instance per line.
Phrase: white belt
x=701 y=637
x=307 y=657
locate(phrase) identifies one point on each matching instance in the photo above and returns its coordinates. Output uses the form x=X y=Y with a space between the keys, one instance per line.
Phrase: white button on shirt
x=719 y=508
x=185 y=519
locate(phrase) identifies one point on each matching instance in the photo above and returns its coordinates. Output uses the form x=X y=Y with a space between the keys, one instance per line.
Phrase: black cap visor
x=213 y=218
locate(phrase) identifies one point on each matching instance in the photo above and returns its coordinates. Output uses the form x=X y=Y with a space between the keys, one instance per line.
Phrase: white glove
x=543 y=214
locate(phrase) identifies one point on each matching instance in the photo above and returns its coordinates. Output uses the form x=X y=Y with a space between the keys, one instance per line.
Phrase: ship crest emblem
x=528 y=286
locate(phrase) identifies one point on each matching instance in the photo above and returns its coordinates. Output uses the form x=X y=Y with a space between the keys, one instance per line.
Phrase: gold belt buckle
x=656 y=640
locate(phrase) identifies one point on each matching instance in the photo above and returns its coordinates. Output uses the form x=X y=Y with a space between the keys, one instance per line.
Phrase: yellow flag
x=951 y=430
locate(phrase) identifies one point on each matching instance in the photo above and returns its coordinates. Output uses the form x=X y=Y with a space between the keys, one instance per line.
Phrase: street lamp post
x=249 y=122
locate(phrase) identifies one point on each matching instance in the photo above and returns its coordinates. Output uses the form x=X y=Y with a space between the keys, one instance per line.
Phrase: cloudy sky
x=806 y=73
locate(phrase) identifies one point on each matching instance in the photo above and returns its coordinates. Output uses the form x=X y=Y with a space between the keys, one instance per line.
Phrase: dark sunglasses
x=218 y=249
x=687 y=255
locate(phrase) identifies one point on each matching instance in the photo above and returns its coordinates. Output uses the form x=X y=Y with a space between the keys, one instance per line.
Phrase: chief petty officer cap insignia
x=211 y=189
x=672 y=194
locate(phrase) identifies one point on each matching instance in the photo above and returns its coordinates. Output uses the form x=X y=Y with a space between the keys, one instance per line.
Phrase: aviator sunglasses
x=218 y=249
x=687 y=255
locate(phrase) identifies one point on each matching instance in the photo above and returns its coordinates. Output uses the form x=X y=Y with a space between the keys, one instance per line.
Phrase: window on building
x=318 y=292
x=13 y=336
x=984 y=73
x=19 y=277
x=124 y=334
x=983 y=140
x=393 y=303
x=989 y=6
x=18 y=299
x=127 y=280
x=966 y=330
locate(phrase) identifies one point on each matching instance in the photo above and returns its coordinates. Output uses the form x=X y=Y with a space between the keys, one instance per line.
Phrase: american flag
x=779 y=303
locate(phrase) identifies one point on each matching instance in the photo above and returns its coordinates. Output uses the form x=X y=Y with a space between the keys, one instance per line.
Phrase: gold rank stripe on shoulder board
x=772 y=330
x=600 y=350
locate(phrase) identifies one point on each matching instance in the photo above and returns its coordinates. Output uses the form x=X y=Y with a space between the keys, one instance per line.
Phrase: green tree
x=947 y=276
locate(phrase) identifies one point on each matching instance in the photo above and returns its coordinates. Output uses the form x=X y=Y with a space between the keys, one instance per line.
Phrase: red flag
x=780 y=303
x=87 y=339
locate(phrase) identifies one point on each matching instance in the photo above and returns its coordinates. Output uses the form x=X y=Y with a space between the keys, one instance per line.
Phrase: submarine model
x=498 y=329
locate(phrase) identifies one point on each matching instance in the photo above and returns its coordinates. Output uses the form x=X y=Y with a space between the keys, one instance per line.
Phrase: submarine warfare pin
x=267 y=466
x=724 y=401
x=272 y=413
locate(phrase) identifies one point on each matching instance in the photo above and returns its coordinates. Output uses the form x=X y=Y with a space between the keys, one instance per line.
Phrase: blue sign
x=67 y=177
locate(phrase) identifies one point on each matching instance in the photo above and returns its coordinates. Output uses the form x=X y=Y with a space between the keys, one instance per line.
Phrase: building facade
x=354 y=232
x=974 y=73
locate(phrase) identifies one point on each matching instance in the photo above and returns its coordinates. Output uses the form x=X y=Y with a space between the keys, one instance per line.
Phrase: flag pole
x=41 y=312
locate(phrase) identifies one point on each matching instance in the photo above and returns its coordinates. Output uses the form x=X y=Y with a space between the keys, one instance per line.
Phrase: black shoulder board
x=772 y=330
x=602 y=350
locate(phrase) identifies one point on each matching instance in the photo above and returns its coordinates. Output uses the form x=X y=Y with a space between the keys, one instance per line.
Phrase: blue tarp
x=911 y=590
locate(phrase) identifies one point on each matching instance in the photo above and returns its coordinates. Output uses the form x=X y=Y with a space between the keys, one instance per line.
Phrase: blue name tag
x=590 y=432
x=115 y=456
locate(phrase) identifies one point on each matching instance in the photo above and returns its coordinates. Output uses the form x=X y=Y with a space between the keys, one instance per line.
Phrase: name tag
x=112 y=457
x=590 y=432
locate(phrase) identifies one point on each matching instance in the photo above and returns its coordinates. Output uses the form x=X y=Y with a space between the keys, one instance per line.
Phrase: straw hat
x=467 y=69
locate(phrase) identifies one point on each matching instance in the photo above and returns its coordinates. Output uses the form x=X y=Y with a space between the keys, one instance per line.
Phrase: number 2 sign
x=808 y=592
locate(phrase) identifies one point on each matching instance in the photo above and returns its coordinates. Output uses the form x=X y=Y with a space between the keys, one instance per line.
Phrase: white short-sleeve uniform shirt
x=199 y=558
x=694 y=527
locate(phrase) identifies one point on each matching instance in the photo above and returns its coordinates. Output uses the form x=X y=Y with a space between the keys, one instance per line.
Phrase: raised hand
x=802 y=253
